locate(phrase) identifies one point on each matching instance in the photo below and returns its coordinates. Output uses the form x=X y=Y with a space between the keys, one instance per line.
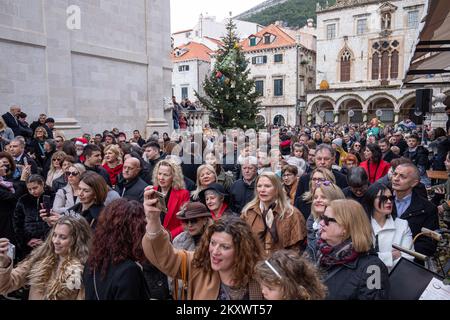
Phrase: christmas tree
x=230 y=94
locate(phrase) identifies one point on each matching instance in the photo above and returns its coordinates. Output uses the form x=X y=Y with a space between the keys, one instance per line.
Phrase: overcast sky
x=185 y=13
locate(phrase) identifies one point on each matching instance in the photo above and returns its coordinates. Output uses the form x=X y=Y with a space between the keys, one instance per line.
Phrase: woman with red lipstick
x=272 y=218
x=168 y=179
x=221 y=268
x=388 y=230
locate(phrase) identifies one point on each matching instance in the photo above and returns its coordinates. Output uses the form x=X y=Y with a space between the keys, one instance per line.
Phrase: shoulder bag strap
x=95 y=287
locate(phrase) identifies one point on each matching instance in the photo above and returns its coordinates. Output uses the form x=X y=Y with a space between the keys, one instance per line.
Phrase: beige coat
x=201 y=285
x=291 y=229
x=14 y=279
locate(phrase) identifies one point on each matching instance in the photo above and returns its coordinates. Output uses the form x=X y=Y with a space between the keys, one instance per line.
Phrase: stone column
x=159 y=66
x=396 y=115
x=59 y=68
x=309 y=116
x=365 y=113
x=336 y=116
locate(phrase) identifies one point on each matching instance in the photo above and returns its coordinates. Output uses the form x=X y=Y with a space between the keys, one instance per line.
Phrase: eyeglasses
x=190 y=221
x=327 y=220
x=73 y=173
x=57 y=160
x=386 y=198
x=357 y=145
x=287 y=175
x=317 y=180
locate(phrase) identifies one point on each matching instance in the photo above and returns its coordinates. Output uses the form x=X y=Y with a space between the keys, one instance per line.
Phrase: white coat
x=393 y=232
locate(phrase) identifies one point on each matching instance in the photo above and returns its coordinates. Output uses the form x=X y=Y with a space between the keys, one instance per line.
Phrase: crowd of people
x=290 y=213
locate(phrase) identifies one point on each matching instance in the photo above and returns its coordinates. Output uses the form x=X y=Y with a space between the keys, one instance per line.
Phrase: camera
x=11 y=251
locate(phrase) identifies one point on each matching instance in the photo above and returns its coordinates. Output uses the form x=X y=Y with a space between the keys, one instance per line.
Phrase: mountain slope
x=293 y=12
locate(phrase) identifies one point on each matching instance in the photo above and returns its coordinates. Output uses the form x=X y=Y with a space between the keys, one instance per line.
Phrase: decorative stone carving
x=438 y=102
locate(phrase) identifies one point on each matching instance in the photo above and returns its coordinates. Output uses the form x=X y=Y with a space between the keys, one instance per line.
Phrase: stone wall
x=114 y=71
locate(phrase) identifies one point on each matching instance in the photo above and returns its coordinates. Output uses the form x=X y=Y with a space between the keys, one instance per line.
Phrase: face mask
x=79 y=152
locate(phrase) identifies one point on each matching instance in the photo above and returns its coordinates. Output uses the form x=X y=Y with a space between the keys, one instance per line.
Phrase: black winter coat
x=8 y=201
x=352 y=281
x=59 y=183
x=419 y=157
x=421 y=213
x=389 y=156
x=91 y=214
x=27 y=221
x=124 y=281
x=241 y=193
x=132 y=190
x=101 y=171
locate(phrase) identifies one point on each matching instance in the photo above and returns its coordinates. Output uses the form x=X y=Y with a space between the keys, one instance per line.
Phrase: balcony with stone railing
x=196 y=120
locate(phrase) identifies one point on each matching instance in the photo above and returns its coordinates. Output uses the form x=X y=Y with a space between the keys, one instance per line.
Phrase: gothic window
x=345 y=66
x=375 y=66
x=384 y=65
x=385 y=60
x=394 y=64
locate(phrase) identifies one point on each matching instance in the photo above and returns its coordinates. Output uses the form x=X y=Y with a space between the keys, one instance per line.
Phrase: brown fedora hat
x=193 y=210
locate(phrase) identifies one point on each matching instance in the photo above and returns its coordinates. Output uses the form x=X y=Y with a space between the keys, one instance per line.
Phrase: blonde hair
x=297 y=277
x=2 y=124
x=177 y=180
x=331 y=192
x=114 y=148
x=281 y=198
x=352 y=217
x=196 y=192
x=328 y=175
x=40 y=129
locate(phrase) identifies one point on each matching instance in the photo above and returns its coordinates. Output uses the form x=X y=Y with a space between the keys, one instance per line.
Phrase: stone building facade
x=363 y=50
x=91 y=64
x=282 y=63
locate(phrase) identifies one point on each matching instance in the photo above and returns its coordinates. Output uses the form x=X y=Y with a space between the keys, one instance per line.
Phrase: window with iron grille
x=331 y=31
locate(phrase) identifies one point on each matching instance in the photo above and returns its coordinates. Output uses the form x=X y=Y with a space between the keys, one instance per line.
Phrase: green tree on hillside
x=294 y=12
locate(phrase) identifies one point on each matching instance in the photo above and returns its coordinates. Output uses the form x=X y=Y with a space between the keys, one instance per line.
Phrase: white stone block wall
x=114 y=71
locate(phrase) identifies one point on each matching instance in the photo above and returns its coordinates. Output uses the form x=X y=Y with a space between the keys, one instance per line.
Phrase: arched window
x=384 y=65
x=394 y=64
x=345 y=66
x=375 y=66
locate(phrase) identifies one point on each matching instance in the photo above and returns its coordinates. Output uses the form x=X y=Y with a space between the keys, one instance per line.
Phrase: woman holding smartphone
x=54 y=270
x=29 y=227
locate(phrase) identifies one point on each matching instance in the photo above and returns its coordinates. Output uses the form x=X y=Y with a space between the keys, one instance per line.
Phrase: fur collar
x=57 y=285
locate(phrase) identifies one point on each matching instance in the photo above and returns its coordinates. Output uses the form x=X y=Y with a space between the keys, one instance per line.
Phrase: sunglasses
x=73 y=173
x=386 y=198
x=325 y=183
x=59 y=160
x=190 y=221
x=327 y=220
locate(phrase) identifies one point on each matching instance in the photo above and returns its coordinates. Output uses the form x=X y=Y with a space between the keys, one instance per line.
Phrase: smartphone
x=162 y=201
x=47 y=203
x=25 y=161
x=11 y=251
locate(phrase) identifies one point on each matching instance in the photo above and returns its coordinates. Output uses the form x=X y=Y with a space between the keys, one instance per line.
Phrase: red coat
x=375 y=172
x=176 y=200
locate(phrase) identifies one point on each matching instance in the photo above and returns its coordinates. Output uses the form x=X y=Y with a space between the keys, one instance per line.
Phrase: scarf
x=268 y=219
x=330 y=256
x=221 y=210
x=7 y=185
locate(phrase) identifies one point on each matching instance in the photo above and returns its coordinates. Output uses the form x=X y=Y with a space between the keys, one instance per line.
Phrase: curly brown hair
x=300 y=279
x=246 y=247
x=118 y=235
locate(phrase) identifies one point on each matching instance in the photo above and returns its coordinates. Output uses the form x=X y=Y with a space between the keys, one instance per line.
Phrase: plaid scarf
x=330 y=256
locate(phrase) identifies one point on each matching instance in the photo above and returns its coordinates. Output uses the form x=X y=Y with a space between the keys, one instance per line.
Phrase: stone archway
x=407 y=111
x=315 y=108
x=350 y=109
x=382 y=107
x=260 y=120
